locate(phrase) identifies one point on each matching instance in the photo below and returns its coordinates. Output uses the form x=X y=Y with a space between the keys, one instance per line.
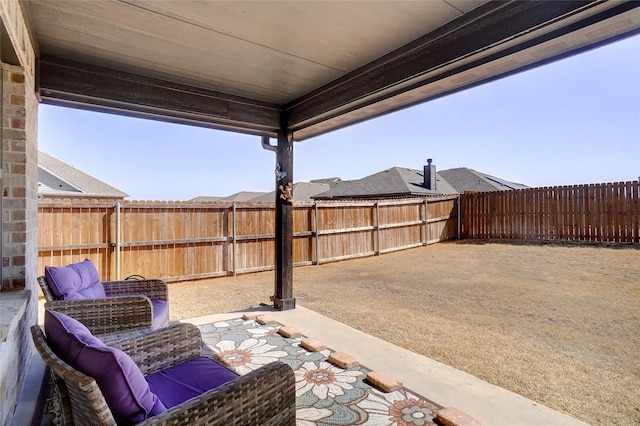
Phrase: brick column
x=19 y=192
x=18 y=295
x=19 y=181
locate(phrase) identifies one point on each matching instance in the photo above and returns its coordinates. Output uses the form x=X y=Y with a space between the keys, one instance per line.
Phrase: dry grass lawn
x=556 y=323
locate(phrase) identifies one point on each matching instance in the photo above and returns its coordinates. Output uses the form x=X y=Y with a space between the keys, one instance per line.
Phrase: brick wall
x=18 y=290
x=18 y=294
x=19 y=179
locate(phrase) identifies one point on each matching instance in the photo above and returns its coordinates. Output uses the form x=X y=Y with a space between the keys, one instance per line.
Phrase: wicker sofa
x=263 y=397
x=125 y=305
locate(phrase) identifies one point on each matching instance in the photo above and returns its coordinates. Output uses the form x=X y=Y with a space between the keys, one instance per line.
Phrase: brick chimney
x=430 y=175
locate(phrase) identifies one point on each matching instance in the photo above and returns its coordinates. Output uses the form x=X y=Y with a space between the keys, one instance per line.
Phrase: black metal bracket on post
x=283 y=297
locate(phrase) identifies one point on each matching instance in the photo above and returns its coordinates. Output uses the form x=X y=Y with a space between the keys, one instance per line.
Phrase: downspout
x=266 y=145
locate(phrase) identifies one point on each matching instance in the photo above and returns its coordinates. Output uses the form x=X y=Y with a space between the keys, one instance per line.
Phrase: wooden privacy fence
x=601 y=212
x=185 y=241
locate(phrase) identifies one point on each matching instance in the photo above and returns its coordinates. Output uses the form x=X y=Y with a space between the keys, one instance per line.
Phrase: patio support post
x=283 y=298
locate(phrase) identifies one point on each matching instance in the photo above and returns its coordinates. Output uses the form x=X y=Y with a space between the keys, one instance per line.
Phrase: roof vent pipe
x=430 y=175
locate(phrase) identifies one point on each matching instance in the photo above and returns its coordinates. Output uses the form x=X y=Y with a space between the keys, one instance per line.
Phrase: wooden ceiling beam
x=75 y=84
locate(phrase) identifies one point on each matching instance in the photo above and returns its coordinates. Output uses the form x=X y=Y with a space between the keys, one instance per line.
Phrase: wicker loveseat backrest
x=127 y=305
x=46 y=291
x=82 y=402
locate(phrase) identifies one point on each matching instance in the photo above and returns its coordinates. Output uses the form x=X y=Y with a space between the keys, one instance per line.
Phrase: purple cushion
x=160 y=312
x=76 y=281
x=67 y=336
x=122 y=383
x=184 y=381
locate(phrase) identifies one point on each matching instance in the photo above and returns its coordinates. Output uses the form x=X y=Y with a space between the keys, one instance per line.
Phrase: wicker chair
x=127 y=305
x=263 y=397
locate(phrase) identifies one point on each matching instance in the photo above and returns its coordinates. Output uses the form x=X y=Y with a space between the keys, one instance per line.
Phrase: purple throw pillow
x=76 y=281
x=122 y=383
x=67 y=336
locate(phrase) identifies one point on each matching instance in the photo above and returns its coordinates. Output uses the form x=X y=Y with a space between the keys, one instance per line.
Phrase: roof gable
x=61 y=179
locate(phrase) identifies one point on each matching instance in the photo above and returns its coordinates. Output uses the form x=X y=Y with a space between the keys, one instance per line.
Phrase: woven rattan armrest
x=46 y=291
x=81 y=399
x=162 y=348
x=118 y=336
x=265 y=397
x=108 y=314
x=155 y=289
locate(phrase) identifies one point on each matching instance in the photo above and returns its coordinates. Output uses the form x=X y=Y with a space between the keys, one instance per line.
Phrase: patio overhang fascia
x=74 y=84
x=473 y=49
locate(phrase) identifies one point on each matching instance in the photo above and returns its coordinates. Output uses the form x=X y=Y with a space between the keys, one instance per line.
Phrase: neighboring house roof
x=332 y=181
x=393 y=182
x=465 y=179
x=59 y=179
x=302 y=191
x=204 y=198
x=238 y=196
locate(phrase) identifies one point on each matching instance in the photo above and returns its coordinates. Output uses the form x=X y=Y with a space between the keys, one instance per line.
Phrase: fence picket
x=185 y=240
x=633 y=212
x=595 y=212
x=182 y=240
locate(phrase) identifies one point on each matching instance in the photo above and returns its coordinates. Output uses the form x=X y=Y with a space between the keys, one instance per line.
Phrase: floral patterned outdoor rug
x=325 y=394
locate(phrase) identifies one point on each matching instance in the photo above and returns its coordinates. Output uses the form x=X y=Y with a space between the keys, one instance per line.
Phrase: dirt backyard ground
x=557 y=323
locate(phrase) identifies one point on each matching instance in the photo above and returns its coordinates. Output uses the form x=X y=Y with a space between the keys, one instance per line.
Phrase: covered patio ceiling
x=311 y=67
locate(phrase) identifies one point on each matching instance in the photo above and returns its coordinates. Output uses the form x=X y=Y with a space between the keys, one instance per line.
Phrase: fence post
x=317 y=233
x=459 y=214
x=426 y=223
x=378 y=227
x=233 y=238
x=117 y=246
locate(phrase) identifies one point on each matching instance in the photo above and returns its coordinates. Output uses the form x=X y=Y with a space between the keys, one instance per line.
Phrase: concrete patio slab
x=438 y=382
x=489 y=404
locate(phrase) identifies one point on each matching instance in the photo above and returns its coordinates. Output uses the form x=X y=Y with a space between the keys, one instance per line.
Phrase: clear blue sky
x=571 y=122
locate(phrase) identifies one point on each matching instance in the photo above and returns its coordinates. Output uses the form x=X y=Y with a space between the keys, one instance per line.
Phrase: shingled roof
x=238 y=196
x=396 y=182
x=302 y=191
x=390 y=183
x=464 y=179
x=59 y=179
